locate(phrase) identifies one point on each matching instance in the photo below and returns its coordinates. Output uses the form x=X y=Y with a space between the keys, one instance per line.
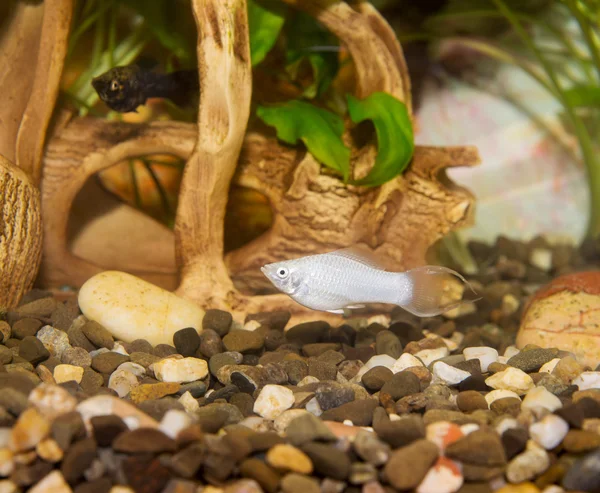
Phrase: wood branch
x=20 y=233
x=32 y=53
x=226 y=89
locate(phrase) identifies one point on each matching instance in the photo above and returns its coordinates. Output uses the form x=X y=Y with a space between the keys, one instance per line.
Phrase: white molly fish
x=346 y=278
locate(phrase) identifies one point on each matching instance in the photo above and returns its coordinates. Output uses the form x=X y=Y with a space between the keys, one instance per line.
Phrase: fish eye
x=114 y=85
x=282 y=272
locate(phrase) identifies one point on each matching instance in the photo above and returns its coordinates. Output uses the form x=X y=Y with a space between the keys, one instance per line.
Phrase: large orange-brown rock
x=566 y=314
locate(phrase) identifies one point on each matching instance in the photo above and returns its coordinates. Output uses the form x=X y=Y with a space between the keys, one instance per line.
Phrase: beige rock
x=67 y=373
x=288 y=458
x=565 y=314
x=7 y=462
x=52 y=483
x=180 y=370
x=511 y=379
x=101 y=405
x=7 y=486
x=273 y=400
x=49 y=451
x=52 y=400
x=29 y=430
x=131 y=308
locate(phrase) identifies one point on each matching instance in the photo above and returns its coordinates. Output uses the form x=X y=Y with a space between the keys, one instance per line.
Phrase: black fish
x=125 y=88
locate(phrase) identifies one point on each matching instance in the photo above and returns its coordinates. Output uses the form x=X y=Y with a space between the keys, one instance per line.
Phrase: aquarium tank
x=300 y=246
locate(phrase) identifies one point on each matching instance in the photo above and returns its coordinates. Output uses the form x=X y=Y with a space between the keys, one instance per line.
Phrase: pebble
x=180 y=370
x=479 y=448
x=495 y=395
x=444 y=477
x=186 y=341
x=584 y=473
x=273 y=400
x=218 y=320
x=328 y=460
x=401 y=384
x=173 y=422
x=29 y=430
x=528 y=464
x=409 y=465
x=54 y=482
x=108 y=361
x=76 y=356
x=549 y=431
x=122 y=382
x=54 y=340
x=405 y=361
x=375 y=361
x=374 y=379
x=98 y=335
x=533 y=359
x=511 y=379
x=428 y=356
x=67 y=373
x=485 y=355
x=305 y=427
x=119 y=302
x=289 y=458
x=541 y=397
x=297 y=483
x=442 y=372
x=588 y=380
x=243 y=341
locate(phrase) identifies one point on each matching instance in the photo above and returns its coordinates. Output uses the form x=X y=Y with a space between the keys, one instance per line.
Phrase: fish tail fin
x=430 y=290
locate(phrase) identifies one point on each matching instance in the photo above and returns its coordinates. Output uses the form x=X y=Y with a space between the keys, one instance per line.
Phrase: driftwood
x=33 y=43
x=313 y=211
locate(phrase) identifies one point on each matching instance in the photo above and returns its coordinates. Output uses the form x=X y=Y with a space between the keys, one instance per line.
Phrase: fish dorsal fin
x=359 y=255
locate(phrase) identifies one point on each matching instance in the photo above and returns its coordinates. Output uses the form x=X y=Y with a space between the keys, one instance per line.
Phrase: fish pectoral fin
x=339 y=312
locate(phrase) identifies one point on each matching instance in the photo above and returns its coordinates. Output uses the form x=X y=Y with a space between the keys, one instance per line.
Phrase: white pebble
x=378 y=360
x=98 y=351
x=189 y=403
x=549 y=431
x=553 y=488
x=307 y=380
x=511 y=351
x=528 y=464
x=273 y=400
x=131 y=308
x=52 y=400
x=499 y=394
x=469 y=428
x=443 y=372
x=282 y=421
x=541 y=258
x=251 y=325
x=135 y=368
x=506 y=423
x=174 y=421
x=485 y=355
x=445 y=477
x=54 y=482
x=549 y=367
x=588 y=380
x=180 y=370
x=54 y=340
x=313 y=407
x=122 y=382
x=428 y=356
x=67 y=373
x=119 y=348
x=511 y=379
x=450 y=344
x=541 y=397
x=406 y=360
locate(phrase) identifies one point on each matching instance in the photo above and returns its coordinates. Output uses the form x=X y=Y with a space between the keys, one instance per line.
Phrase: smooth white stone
x=119 y=348
x=443 y=372
x=549 y=431
x=499 y=394
x=549 y=367
x=273 y=400
x=251 y=325
x=528 y=464
x=122 y=382
x=307 y=380
x=174 y=421
x=485 y=355
x=588 y=380
x=66 y=373
x=131 y=308
x=553 y=489
x=541 y=397
x=189 y=403
x=313 y=407
x=378 y=360
x=506 y=423
x=428 y=356
x=541 y=258
x=511 y=351
x=406 y=360
x=52 y=400
x=511 y=379
x=442 y=479
x=180 y=370
x=135 y=368
x=469 y=428
x=54 y=482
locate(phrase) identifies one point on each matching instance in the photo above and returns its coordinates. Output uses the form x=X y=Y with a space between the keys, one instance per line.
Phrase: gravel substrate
x=388 y=403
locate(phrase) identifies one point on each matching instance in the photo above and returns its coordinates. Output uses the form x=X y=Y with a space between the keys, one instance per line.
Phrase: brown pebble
x=108 y=362
x=408 y=465
x=107 y=428
x=78 y=458
x=470 y=401
x=143 y=440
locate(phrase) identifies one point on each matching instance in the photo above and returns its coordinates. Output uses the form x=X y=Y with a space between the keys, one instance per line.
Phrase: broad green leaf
x=265 y=25
x=309 y=42
x=319 y=129
x=583 y=96
x=395 y=140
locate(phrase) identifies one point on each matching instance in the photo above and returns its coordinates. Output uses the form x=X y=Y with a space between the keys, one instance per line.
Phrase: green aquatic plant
x=560 y=49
